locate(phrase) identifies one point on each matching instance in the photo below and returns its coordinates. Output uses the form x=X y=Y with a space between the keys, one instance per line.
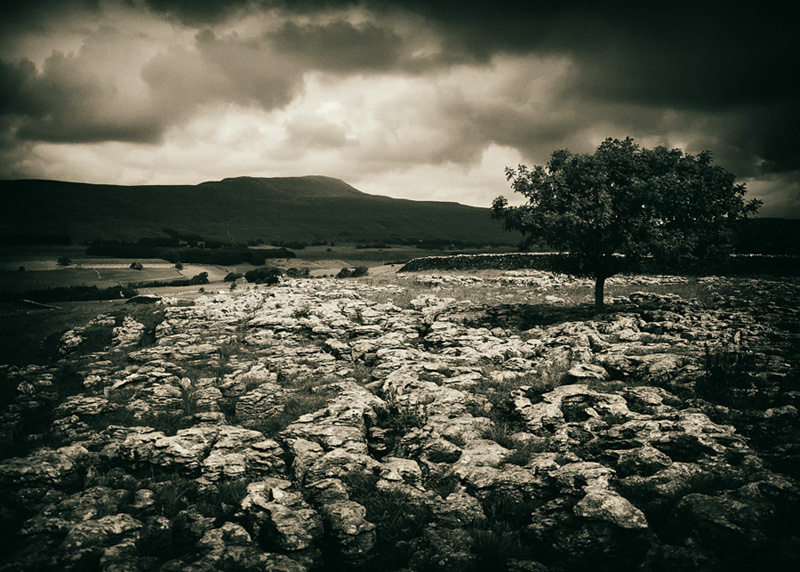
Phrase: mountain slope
x=287 y=208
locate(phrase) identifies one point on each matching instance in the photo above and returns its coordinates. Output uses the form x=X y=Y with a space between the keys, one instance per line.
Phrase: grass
x=399 y=419
x=727 y=377
x=442 y=485
x=307 y=399
x=494 y=545
x=397 y=518
x=500 y=432
x=490 y=292
x=523 y=453
x=32 y=336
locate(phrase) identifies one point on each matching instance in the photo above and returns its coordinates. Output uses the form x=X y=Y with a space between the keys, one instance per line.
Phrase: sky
x=417 y=99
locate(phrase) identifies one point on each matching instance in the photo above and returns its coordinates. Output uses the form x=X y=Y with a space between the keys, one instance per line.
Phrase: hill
x=311 y=208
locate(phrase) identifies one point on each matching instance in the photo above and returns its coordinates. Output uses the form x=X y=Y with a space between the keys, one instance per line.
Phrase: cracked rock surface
x=328 y=424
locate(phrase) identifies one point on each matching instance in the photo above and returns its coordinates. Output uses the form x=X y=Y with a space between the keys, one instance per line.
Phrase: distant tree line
x=158 y=248
x=374 y=245
x=356 y=272
x=201 y=278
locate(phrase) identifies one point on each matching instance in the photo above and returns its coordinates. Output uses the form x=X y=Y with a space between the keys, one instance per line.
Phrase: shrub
x=64 y=261
x=232 y=276
x=268 y=275
x=136 y=266
x=201 y=278
x=354 y=273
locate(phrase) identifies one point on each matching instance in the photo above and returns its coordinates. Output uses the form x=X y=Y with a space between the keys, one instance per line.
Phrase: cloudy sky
x=421 y=99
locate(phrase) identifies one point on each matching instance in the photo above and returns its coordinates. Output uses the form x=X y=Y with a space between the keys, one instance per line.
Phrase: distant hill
x=312 y=208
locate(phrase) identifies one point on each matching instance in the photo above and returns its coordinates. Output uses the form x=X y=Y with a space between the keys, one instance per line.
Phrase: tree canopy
x=610 y=209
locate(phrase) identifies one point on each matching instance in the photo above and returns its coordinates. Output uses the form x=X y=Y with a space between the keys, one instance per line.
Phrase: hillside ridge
x=312 y=207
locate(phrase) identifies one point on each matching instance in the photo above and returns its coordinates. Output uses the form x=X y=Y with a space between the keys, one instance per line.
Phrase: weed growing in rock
x=306 y=400
x=458 y=440
x=362 y=373
x=303 y=311
x=121 y=395
x=494 y=545
x=499 y=506
x=222 y=500
x=523 y=453
x=189 y=398
x=727 y=377
x=443 y=485
x=173 y=495
x=397 y=517
x=501 y=433
x=401 y=418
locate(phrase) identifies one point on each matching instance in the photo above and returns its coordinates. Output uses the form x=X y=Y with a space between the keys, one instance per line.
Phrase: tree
x=201 y=278
x=268 y=275
x=609 y=210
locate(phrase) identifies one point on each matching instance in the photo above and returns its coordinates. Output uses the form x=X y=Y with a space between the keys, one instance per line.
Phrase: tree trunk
x=599 y=285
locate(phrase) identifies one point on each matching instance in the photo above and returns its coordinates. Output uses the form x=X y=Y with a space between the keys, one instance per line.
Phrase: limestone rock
x=280 y=517
x=345 y=522
x=604 y=504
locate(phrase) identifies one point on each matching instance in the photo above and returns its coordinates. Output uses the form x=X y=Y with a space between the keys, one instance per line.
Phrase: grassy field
x=36 y=267
x=31 y=335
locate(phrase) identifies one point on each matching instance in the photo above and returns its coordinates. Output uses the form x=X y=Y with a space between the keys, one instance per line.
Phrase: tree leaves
x=610 y=209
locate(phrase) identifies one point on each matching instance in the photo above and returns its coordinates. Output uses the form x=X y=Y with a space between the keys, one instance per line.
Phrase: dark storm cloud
x=340 y=46
x=701 y=56
x=65 y=103
x=15 y=13
x=724 y=60
x=195 y=11
x=222 y=69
